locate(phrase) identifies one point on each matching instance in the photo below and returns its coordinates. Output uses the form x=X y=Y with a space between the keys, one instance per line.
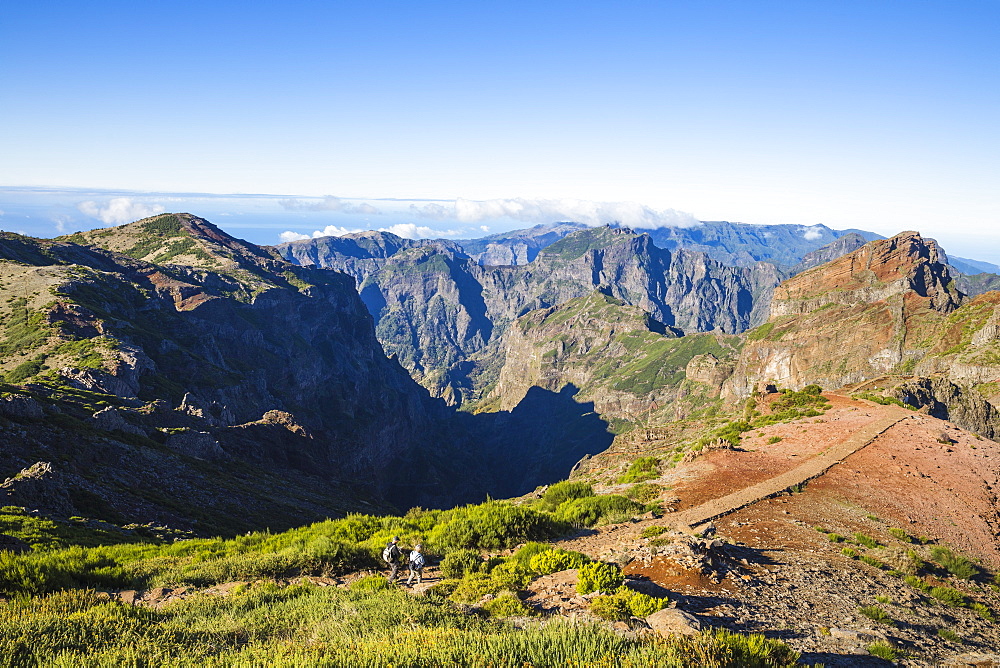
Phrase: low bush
x=510 y=574
x=901 y=535
x=565 y=490
x=866 y=540
x=917 y=583
x=555 y=560
x=948 y=596
x=594 y=510
x=883 y=650
x=491 y=525
x=877 y=614
x=983 y=612
x=507 y=605
x=645 y=492
x=626 y=603
x=652 y=532
x=955 y=564
x=459 y=562
x=949 y=635
x=644 y=468
x=528 y=550
x=599 y=576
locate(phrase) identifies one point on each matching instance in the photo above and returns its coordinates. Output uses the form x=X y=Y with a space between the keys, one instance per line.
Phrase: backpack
x=390 y=552
x=416 y=560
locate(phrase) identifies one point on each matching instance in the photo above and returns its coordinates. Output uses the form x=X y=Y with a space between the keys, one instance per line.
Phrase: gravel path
x=815 y=466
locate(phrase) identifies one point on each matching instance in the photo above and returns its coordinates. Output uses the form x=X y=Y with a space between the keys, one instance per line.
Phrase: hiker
x=416 y=564
x=391 y=555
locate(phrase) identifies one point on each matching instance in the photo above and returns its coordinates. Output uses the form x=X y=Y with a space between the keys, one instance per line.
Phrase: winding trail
x=686 y=520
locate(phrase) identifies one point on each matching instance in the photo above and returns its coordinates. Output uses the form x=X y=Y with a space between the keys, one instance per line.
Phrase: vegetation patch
x=644 y=468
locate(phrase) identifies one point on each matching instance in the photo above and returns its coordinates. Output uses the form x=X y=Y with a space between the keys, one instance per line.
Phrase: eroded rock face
x=436 y=308
x=852 y=319
x=948 y=401
x=905 y=264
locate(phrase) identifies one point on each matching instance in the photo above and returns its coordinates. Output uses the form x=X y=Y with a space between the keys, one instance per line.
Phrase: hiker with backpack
x=416 y=564
x=391 y=556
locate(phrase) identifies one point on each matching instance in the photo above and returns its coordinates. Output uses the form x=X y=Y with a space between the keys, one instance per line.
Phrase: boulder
x=672 y=621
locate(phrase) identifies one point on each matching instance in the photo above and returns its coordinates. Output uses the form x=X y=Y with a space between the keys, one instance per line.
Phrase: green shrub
x=594 y=510
x=901 y=535
x=555 y=560
x=835 y=537
x=955 y=564
x=626 y=603
x=641 y=469
x=877 y=614
x=949 y=635
x=459 y=562
x=866 y=540
x=773 y=440
x=510 y=574
x=983 y=611
x=612 y=608
x=917 y=583
x=599 y=576
x=871 y=561
x=645 y=492
x=507 y=605
x=565 y=490
x=652 y=532
x=473 y=587
x=883 y=650
x=491 y=525
x=849 y=552
x=524 y=553
x=948 y=596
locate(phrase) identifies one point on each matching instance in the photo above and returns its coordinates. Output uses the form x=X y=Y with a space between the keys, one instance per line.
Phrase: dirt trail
x=814 y=467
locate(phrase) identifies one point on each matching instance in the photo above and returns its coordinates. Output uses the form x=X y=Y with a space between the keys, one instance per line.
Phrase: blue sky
x=876 y=115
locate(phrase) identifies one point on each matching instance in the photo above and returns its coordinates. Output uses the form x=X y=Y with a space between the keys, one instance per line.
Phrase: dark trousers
x=393 y=570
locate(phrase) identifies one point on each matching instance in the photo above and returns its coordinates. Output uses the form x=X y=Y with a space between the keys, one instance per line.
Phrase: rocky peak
x=906 y=263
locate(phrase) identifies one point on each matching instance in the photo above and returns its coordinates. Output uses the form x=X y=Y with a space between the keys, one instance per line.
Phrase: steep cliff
x=235 y=357
x=437 y=308
x=617 y=356
x=887 y=316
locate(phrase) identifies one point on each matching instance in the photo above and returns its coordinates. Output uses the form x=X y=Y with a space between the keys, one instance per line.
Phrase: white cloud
x=812 y=233
x=413 y=231
x=629 y=214
x=328 y=203
x=484 y=228
x=119 y=210
x=60 y=222
x=405 y=230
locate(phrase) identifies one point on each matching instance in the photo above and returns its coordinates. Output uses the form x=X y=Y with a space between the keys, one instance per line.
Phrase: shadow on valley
x=503 y=454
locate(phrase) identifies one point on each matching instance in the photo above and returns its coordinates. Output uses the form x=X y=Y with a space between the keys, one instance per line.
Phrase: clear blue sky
x=878 y=115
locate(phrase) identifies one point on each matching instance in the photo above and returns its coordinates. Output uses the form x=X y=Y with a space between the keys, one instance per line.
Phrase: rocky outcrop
x=946 y=400
x=876 y=272
x=860 y=316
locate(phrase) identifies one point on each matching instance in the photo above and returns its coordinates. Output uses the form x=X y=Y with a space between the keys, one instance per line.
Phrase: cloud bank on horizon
x=533 y=211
